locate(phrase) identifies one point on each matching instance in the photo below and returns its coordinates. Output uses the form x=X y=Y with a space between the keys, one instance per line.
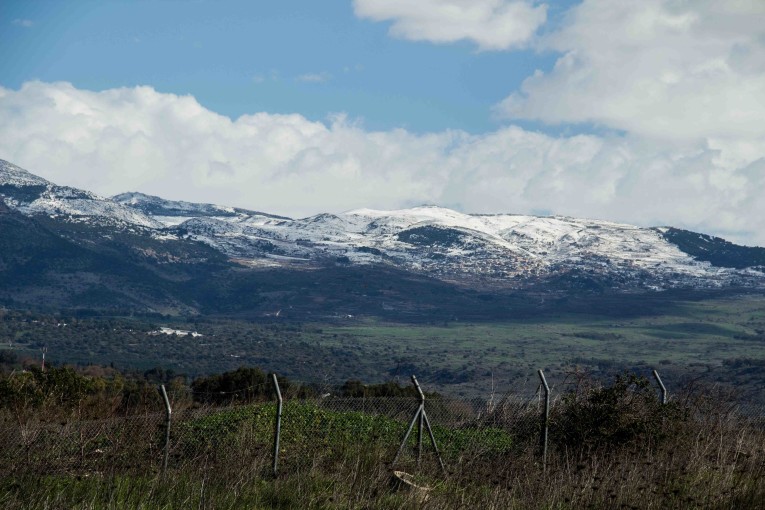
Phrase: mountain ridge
x=497 y=253
x=33 y=195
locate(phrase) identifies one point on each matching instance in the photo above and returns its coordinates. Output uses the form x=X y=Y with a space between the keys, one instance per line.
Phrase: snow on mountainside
x=450 y=244
x=507 y=250
x=156 y=206
x=33 y=195
x=12 y=175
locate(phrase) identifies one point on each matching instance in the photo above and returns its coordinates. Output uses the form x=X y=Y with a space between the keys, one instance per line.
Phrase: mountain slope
x=156 y=206
x=65 y=248
x=714 y=250
x=39 y=267
x=144 y=252
x=511 y=251
x=33 y=195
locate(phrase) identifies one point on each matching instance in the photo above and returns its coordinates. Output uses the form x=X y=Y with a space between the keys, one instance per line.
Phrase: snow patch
x=171 y=331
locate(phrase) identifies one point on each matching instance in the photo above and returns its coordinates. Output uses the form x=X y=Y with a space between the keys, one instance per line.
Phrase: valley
x=719 y=339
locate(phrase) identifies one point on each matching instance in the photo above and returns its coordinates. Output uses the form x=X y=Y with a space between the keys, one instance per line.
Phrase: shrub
x=622 y=414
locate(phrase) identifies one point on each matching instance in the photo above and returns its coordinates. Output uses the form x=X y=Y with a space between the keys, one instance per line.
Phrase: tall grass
x=611 y=447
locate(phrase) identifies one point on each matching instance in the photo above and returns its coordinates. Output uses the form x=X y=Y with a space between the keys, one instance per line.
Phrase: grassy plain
x=722 y=338
x=700 y=335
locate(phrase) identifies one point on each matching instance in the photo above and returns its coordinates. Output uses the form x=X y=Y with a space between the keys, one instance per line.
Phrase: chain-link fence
x=325 y=427
x=80 y=447
x=313 y=432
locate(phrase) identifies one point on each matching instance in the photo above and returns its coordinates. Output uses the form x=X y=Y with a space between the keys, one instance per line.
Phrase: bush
x=620 y=415
x=55 y=386
x=356 y=389
x=244 y=385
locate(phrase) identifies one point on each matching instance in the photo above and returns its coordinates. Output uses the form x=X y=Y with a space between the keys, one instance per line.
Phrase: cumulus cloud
x=138 y=139
x=491 y=24
x=660 y=69
x=685 y=82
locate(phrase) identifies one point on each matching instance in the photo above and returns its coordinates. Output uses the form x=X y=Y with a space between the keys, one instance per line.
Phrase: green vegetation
x=612 y=446
x=719 y=339
x=307 y=424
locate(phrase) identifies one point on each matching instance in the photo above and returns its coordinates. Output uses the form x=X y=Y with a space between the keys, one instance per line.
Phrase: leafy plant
x=624 y=413
x=307 y=425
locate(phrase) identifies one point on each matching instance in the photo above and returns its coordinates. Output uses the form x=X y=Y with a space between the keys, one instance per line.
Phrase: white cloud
x=315 y=77
x=137 y=139
x=685 y=82
x=491 y=24
x=259 y=78
x=26 y=23
x=660 y=69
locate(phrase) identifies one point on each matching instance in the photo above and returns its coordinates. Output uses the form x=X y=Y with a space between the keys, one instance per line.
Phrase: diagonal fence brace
x=420 y=416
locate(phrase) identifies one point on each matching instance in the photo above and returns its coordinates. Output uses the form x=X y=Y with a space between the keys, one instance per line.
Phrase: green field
x=694 y=334
x=722 y=338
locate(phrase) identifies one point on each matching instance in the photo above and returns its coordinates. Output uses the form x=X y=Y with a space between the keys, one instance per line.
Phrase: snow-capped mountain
x=33 y=195
x=174 y=211
x=504 y=250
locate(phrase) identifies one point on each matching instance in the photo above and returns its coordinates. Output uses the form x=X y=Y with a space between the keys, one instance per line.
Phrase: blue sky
x=241 y=57
x=646 y=112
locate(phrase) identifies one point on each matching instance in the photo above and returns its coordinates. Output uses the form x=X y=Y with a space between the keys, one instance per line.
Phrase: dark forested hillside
x=715 y=250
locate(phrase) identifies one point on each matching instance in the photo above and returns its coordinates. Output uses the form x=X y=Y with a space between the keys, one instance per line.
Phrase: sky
x=647 y=112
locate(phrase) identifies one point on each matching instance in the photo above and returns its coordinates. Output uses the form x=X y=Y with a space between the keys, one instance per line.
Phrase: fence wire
x=313 y=431
x=80 y=447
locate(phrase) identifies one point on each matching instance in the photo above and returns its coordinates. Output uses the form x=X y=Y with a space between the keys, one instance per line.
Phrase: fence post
x=545 y=420
x=416 y=417
x=661 y=385
x=278 y=423
x=422 y=417
x=421 y=421
x=168 y=413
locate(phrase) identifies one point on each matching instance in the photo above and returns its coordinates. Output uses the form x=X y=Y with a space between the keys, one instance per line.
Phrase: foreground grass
x=638 y=480
x=644 y=455
x=184 y=492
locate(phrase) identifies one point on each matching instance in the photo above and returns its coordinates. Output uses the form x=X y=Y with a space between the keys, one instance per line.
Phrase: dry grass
x=697 y=454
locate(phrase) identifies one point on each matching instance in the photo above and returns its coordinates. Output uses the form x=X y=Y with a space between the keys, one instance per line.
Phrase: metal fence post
x=661 y=385
x=168 y=414
x=416 y=417
x=545 y=420
x=422 y=417
x=421 y=420
x=278 y=423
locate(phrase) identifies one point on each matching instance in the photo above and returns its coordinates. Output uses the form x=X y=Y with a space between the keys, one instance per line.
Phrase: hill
x=68 y=248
